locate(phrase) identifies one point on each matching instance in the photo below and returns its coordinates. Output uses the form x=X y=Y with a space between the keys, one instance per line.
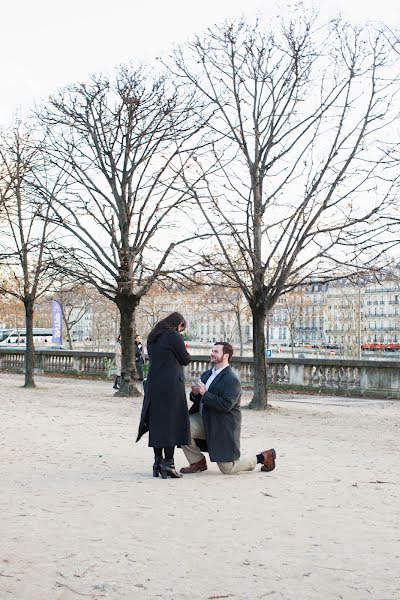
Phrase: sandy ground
x=82 y=517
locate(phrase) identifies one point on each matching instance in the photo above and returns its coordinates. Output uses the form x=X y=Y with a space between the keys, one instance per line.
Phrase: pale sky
x=45 y=44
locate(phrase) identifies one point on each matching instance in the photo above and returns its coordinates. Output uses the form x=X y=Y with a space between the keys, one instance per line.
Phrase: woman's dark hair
x=168 y=324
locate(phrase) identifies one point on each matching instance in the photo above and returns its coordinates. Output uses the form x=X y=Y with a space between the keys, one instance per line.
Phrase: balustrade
x=330 y=375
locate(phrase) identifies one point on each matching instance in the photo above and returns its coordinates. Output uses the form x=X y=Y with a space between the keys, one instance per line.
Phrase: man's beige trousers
x=194 y=454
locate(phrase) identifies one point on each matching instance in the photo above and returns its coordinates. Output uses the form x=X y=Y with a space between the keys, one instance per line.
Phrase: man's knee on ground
x=226 y=468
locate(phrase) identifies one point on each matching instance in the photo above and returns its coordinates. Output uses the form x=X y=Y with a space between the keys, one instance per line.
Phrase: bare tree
x=226 y=307
x=118 y=143
x=301 y=119
x=75 y=302
x=236 y=305
x=105 y=322
x=344 y=316
x=12 y=313
x=25 y=229
x=153 y=308
x=293 y=303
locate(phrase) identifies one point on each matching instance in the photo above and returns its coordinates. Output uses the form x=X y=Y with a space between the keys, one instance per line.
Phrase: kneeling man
x=216 y=417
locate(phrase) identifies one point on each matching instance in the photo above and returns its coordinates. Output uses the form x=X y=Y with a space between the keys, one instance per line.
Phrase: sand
x=82 y=516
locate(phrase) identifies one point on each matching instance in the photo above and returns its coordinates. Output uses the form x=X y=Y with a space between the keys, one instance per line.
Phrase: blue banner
x=56 y=321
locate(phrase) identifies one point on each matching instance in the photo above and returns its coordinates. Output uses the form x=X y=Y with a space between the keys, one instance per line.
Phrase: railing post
x=39 y=367
x=296 y=374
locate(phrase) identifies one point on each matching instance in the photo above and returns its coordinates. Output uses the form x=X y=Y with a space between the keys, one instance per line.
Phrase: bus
x=16 y=338
x=381 y=347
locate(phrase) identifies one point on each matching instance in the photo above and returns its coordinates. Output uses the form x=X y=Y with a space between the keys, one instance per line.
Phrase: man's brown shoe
x=201 y=465
x=269 y=457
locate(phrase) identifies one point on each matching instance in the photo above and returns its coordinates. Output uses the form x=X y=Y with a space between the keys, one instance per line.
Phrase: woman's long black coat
x=165 y=413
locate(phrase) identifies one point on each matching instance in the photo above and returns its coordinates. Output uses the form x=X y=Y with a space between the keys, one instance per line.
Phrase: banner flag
x=56 y=320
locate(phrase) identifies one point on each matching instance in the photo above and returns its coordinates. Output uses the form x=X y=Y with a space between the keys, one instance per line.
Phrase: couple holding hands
x=212 y=424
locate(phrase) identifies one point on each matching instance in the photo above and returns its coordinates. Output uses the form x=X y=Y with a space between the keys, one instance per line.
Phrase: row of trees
x=92 y=320
x=266 y=154
x=78 y=303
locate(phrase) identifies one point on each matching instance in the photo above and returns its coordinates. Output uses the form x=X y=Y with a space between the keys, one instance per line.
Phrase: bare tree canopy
x=119 y=144
x=301 y=118
x=25 y=227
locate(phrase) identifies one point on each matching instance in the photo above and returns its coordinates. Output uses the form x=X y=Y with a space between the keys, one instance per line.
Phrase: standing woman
x=118 y=360
x=165 y=414
x=139 y=357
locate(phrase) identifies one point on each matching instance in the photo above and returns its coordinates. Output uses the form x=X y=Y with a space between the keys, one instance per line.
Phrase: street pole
x=359 y=321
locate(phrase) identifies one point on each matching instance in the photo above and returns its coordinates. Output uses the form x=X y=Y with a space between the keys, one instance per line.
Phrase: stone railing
x=376 y=378
x=69 y=362
x=331 y=375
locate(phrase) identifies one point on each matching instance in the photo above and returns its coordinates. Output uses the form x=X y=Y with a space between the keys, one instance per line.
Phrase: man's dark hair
x=226 y=349
x=168 y=324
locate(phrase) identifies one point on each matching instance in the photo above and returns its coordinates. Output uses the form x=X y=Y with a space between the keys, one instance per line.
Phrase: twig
x=335 y=569
x=378 y=481
x=76 y=592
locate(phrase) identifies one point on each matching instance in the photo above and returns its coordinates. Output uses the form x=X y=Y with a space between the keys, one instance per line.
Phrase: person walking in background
x=139 y=356
x=216 y=418
x=118 y=361
x=165 y=413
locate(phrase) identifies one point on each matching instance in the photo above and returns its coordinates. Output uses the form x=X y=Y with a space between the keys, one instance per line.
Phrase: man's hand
x=201 y=388
x=198 y=387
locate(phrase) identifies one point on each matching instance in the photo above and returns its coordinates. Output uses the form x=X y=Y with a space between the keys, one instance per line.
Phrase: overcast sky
x=45 y=44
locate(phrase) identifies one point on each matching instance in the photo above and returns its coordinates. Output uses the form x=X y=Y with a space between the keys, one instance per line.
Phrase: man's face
x=217 y=355
x=138 y=339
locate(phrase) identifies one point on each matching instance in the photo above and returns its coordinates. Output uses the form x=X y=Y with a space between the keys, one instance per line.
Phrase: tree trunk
x=30 y=348
x=260 y=397
x=258 y=305
x=69 y=336
x=239 y=325
x=127 y=307
x=291 y=329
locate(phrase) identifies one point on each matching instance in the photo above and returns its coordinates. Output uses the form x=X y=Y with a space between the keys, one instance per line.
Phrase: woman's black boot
x=157 y=466
x=168 y=470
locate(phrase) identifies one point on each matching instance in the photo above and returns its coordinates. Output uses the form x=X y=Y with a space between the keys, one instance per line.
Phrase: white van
x=42 y=338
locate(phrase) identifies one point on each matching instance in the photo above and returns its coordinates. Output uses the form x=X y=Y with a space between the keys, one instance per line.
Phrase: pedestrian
x=139 y=357
x=215 y=420
x=165 y=413
x=118 y=361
